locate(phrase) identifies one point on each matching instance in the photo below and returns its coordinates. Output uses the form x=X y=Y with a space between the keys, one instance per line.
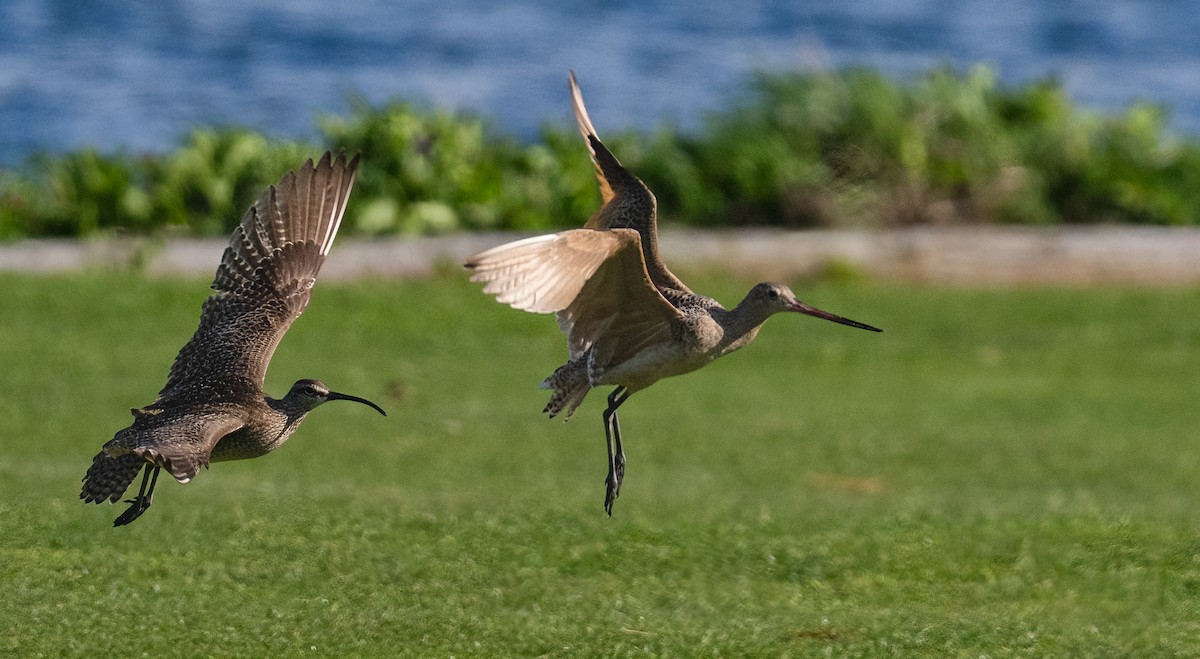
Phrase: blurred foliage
x=203 y=187
x=855 y=149
x=845 y=148
x=433 y=172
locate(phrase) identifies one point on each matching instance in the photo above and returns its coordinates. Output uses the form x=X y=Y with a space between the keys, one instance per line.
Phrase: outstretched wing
x=628 y=203
x=180 y=444
x=596 y=281
x=264 y=281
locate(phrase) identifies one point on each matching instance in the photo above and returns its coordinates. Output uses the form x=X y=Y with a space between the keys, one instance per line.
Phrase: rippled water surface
x=140 y=74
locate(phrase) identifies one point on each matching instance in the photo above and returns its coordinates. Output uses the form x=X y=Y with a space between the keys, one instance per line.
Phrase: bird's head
x=305 y=395
x=775 y=298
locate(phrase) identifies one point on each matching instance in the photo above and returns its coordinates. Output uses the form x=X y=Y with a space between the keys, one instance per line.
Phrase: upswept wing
x=589 y=134
x=628 y=203
x=596 y=281
x=264 y=281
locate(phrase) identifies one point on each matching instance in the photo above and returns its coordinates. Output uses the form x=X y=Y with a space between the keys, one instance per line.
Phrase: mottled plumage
x=213 y=407
x=629 y=321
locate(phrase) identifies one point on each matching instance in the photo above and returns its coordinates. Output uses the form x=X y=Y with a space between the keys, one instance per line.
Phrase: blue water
x=137 y=75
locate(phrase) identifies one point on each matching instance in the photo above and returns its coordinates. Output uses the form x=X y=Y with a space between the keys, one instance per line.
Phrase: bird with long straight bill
x=630 y=321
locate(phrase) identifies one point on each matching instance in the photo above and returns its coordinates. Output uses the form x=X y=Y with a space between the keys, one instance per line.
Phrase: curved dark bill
x=333 y=395
x=810 y=310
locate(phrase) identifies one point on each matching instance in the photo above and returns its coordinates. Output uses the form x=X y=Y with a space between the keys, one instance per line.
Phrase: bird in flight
x=629 y=320
x=213 y=406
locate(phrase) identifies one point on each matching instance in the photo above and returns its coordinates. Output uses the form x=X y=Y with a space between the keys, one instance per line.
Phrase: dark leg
x=141 y=502
x=616 y=452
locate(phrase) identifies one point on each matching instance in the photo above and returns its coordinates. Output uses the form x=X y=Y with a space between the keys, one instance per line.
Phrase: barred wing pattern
x=263 y=283
x=179 y=443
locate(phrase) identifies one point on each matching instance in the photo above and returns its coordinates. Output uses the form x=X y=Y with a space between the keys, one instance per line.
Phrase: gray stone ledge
x=949 y=256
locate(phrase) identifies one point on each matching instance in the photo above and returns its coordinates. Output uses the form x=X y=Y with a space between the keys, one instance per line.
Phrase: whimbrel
x=629 y=321
x=213 y=407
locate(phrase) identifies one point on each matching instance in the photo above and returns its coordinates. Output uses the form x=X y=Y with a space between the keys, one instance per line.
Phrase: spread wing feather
x=596 y=281
x=264 y=281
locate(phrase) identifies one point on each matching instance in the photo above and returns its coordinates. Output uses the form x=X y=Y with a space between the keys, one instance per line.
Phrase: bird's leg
x=616 y=452
x=142 y=501
x=611 y=484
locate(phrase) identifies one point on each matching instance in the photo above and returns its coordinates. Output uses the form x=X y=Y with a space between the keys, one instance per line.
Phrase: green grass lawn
x=999 y=472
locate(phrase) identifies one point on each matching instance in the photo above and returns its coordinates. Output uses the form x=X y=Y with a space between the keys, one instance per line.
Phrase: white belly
x=649 y=366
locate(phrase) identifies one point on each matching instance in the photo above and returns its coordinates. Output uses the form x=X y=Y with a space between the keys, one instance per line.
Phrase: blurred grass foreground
x=832 y=149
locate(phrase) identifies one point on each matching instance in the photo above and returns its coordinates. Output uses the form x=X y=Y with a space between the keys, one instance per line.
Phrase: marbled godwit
x=629 y=321
x=213 y=407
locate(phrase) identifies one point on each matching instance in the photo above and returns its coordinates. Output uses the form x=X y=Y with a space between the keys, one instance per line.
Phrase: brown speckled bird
x=213 y=407
x=629 y=321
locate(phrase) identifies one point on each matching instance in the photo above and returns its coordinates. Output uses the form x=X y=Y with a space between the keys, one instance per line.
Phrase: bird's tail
x=570 y=384
x=109 y=476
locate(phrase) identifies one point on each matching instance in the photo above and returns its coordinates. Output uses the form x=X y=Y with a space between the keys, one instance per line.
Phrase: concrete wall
x=948 y=256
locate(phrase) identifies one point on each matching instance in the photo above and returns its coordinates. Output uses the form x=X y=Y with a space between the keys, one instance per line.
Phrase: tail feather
x=109 y=476
x=570 y=384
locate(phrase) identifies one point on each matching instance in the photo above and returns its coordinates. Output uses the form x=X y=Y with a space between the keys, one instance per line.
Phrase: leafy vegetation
x=1013 y=474
x=848 y=148
x=855 y=148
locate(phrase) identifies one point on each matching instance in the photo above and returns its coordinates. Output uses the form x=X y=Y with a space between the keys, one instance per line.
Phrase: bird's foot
x=612 y=483
x=135 y=510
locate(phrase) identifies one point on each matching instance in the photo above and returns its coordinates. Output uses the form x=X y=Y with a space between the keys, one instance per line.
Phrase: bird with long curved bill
x=629 y=321
x=213 y=407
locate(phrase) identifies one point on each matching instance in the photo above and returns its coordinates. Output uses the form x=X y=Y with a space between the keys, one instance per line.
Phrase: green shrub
x=207 y=183
x=432 y=172
x=853 y=148
x=845 y=148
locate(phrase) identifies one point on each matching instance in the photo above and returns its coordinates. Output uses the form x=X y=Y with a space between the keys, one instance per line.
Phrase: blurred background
x=141 y=75
x=1009 y=469
x=143 y=116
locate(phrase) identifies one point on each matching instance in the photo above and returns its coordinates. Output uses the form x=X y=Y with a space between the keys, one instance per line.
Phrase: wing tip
x=479 y=259
x=341 y=161
x=346 y=172
x=586 y=128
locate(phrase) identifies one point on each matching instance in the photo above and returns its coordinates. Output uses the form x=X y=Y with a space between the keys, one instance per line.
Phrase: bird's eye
x=773 y=293
x=310 y=391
